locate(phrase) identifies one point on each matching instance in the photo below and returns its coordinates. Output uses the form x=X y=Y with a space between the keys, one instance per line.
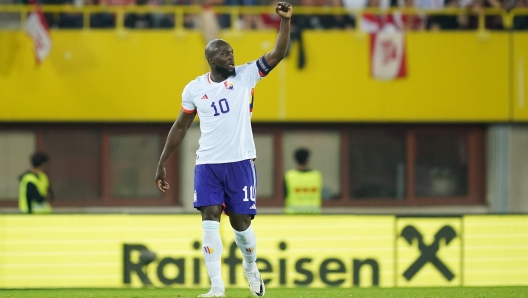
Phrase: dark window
x=75 y=162
x=377 y=163
x=441 y=164
x=133 y=158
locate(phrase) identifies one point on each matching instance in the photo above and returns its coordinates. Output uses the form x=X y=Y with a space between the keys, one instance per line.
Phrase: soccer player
x=225 y=174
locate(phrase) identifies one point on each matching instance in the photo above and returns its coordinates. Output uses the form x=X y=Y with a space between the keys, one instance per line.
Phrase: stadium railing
x=235 y=11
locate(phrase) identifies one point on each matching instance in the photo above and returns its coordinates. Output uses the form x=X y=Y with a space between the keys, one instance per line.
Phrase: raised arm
x=174 y=139
x=284 y=10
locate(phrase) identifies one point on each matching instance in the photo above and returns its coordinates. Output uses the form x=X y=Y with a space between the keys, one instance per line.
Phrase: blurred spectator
x=430 y=4
x=71 y=20
x=209 y=25
x=354 y=5
x=245 y=21
x=343 y=21
x=448 y=22
x=62 y=20
x=250 y=21
x=323 y=21
x=520 y=22
x=161 y=20
x=271 y=20
x=116 y=2
x=9 y=20
x=139 y=20
x=105 y=19
x=102 y=19
x=35 y=193
x=316 y=21
x=189 y=20
x=493 y=22
x=392 y=22
x=409 y=21
x=378 y=22
x=224 y=20
x=148 y=20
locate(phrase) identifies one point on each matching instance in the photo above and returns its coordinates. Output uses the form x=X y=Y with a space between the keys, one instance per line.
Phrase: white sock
x=247 y=242
x=212 y=252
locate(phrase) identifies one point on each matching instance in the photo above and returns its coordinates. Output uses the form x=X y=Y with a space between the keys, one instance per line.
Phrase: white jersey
x=225 y=110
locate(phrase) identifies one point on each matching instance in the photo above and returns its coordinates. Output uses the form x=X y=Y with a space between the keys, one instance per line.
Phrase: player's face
x=225 y=61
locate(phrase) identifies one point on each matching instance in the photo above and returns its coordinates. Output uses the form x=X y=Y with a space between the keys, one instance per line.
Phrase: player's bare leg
x=247 y=243
x=212 y=249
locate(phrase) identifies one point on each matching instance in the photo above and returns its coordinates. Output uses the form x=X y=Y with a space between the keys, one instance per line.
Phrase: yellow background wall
x=138 y=76
x=520 y=76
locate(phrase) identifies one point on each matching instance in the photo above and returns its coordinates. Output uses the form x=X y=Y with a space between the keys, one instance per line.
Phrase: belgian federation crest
x=228 y=85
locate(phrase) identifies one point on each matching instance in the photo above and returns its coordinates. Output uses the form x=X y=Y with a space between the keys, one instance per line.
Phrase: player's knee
x=211 y=212
x=240 y=222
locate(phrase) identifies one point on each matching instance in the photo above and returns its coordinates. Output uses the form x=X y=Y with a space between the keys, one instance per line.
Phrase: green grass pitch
x=465 y=292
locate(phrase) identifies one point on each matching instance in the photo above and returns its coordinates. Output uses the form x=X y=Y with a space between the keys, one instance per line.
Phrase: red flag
x=38 y=31
x=388 y=55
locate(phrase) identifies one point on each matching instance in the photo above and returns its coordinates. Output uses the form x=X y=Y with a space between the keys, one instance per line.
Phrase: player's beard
x=226 y=73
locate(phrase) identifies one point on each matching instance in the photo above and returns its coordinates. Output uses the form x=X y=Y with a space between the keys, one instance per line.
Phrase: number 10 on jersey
x=224 y=107
x=252 y=193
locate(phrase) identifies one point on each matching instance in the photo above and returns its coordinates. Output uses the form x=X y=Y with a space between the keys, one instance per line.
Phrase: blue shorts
x=233 y=185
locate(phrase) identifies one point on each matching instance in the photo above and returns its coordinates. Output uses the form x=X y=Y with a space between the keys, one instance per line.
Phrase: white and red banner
x=387 y=55
x=38 y=31
x=387 y=44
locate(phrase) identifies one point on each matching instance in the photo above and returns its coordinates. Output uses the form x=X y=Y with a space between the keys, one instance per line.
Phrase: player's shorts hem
x=225 y=161
x=225 y=212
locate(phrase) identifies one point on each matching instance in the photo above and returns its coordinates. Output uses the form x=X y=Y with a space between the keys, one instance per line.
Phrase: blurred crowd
x=397 y=19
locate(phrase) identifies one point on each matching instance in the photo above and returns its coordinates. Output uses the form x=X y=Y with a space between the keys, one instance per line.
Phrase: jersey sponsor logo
x=195 y=197
x=253 y=207
x=204 y=97
x=208 y=250
x=228 y=85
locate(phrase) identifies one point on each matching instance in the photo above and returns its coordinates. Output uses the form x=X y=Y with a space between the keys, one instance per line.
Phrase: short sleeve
x=256 y=70
x=187 y=102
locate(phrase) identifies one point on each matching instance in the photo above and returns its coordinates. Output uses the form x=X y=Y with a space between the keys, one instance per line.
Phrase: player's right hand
x=160 y=180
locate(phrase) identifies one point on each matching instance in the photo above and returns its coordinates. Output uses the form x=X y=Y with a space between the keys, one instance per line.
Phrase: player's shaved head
x=212 y=47
x=221 y=59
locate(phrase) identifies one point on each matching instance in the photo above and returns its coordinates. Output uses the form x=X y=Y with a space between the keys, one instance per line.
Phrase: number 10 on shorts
x=252 y=193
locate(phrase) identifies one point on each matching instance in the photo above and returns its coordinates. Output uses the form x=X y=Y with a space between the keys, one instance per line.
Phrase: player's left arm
x=284 y=10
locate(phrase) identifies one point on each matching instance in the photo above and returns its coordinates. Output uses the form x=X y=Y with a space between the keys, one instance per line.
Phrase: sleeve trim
x=188 y=111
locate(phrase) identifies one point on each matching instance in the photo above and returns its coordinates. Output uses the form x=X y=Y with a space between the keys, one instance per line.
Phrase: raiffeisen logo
x=283 y=270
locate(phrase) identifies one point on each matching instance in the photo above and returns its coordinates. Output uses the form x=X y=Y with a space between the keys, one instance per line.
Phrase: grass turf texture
x=466 y=292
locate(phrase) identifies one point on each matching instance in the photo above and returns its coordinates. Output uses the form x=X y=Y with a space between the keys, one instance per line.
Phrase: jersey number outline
x=224 y=107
